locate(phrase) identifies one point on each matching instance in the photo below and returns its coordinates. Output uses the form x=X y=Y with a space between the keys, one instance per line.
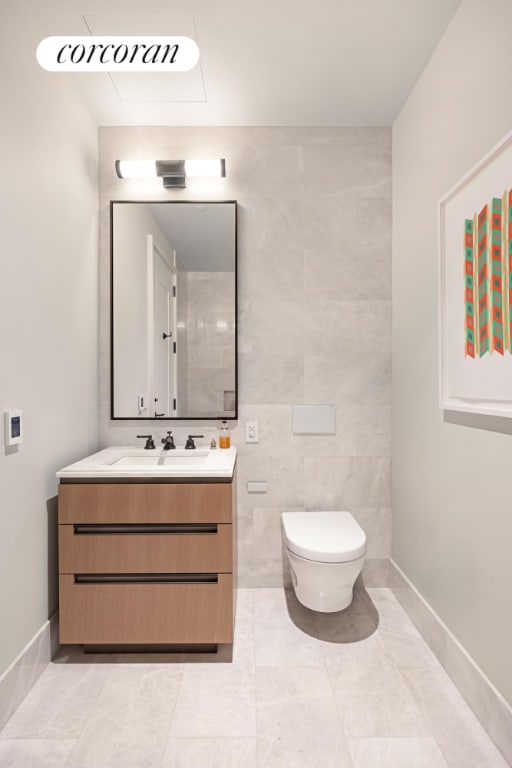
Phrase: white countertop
x=128 y=462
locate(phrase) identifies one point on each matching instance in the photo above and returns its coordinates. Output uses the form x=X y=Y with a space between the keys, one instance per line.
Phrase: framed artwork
x=475 y=288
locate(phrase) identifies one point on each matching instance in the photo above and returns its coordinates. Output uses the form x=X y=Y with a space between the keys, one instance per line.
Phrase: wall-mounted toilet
x=326 y=553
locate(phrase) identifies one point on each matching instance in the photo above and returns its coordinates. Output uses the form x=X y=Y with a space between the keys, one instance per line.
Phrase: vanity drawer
x=146 y=548
x=145 y=503
x=142 y=613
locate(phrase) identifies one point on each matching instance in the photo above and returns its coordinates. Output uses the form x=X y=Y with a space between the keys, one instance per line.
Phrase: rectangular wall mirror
x=173 y=310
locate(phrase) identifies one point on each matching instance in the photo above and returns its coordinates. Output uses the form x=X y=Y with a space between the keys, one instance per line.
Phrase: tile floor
x=359 y=689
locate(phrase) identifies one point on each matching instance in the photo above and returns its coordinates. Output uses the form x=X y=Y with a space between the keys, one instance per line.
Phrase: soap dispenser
x=224 y=439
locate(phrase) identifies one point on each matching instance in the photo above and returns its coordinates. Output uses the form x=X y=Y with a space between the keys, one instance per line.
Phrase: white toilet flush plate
x=314 y=419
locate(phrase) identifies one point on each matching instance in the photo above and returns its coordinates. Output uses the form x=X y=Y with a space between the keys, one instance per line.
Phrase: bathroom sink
x=178 y=460
x=136 y=461
x=133 y=462
x=161 y=458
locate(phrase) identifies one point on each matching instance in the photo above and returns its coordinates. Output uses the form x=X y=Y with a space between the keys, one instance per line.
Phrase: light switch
x=141 y=404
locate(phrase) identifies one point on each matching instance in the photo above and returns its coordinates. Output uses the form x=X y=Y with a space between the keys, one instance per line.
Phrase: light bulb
x=135 y=169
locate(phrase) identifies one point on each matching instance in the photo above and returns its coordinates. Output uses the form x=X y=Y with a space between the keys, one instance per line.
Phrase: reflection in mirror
x=173 y=310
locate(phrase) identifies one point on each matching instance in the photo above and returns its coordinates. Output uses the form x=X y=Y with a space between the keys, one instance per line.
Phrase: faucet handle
x=190 y=441
x=150 y=443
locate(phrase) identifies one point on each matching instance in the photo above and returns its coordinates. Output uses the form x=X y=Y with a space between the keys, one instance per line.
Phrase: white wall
x=452 y=489
x=48 y=314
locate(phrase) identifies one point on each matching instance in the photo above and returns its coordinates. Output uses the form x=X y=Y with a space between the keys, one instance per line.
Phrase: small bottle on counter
x=213 y=443
x=224 y=439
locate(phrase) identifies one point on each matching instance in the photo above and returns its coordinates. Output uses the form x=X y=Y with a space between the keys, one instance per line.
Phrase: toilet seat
x=325 y=537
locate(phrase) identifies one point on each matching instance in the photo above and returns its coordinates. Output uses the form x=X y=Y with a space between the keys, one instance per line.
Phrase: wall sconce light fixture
x=172 y=172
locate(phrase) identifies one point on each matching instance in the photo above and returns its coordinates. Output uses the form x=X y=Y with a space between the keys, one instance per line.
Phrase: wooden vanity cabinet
x=144 y=563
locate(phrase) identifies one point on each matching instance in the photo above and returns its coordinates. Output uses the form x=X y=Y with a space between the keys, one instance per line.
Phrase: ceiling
x=203 y=234
x=275 y=62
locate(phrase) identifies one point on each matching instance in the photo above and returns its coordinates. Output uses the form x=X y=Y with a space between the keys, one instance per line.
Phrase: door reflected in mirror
x=173 y=310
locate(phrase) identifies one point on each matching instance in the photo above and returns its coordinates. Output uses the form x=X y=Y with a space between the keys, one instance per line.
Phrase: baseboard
x=25 y=670
x=493 y=711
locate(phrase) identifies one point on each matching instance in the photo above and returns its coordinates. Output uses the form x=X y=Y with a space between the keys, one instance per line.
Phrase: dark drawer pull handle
x=146 y=578
x=128 y=528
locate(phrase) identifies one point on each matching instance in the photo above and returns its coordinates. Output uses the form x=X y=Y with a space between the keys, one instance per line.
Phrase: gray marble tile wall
x=210 y=341
x=314 y=314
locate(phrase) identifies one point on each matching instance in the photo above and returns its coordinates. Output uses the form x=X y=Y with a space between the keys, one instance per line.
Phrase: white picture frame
x=478 y=380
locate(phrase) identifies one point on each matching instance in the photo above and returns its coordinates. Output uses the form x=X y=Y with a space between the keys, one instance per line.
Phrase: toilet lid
x=327 y=537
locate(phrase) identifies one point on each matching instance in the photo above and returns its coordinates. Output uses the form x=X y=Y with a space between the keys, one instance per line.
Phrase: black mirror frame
x=221 y=416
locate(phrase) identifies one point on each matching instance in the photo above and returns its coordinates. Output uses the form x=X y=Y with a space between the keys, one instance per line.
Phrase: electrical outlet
x=251 y=432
